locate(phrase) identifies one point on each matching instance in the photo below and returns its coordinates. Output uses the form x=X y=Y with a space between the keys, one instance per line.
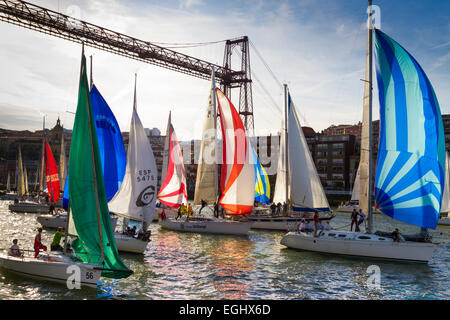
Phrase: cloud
x=321 y=62
x=189 y=3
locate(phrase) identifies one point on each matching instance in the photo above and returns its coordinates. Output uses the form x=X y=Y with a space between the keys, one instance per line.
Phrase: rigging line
x=188 y=43
x=265 y=64
x=262 y=86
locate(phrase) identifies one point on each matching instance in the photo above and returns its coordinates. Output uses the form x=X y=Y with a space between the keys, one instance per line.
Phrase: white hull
x=444 y=221
x=207 y=225
x=28 y=207
x=360 y=244
x=277 y=223
x=53 y=222
x=349 y=208
x=130 y=244
x=55 y=269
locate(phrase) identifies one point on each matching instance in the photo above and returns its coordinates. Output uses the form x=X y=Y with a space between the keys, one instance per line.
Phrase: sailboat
x=237 y=172
x=173 y=188
x=410 y=171
x=444 y=218
x=297 y=183
x=354 y=200
x=135 y=199
x=262 y=184
x=23 y=205
x=94 y=248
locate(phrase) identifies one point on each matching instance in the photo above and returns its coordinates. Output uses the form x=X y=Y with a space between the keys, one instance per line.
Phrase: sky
x=317 y=47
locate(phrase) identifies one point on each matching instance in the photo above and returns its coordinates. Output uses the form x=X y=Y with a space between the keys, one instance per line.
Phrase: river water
x=195 y=266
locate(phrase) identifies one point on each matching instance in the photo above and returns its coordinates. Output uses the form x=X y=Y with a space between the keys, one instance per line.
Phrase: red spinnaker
x=51 y=174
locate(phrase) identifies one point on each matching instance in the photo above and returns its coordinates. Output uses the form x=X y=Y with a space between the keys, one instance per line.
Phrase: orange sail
x=238 y=173
x=51 y=174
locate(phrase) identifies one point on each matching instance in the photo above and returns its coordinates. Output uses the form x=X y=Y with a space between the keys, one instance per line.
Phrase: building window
x=338 y=145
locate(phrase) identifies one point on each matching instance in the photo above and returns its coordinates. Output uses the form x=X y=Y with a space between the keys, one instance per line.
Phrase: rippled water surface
x=194 y=266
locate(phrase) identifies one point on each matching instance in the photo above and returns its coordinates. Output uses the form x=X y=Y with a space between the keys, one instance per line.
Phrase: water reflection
x=200 y=266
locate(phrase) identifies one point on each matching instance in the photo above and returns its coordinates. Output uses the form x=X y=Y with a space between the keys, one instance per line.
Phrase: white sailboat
x=354 y=200
x=402 y=191
x=135 y=199
x=444 y=218
x=207 y=174
x=297 y=183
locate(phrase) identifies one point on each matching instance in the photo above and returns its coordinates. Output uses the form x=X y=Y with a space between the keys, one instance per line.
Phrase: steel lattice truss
x=37 y=18
x=57 y=24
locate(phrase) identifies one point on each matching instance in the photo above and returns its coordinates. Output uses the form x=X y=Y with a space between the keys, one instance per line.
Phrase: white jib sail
x=136 y=196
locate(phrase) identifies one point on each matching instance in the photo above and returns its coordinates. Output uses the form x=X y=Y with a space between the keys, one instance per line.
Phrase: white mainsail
x=445 y=204
x=366 y=131
x=305 y=186
x=279 y=195
x=355 y=191
x=206 y=181
x=135 y=199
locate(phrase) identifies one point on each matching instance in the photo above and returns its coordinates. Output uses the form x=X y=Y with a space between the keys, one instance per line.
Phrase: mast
x=95 y=175
x=369 y=62
x=286 y=156
x=91 y=79
x=216 y=170
x=41 y=181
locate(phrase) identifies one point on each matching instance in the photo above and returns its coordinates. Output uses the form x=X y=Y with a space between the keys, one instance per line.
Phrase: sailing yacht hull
x=361 y=245
x=278 y=223
x=55 y=269
x=28 y=207
x=444 y=221
x=199 y=225
x=130 y=244
x=52 y=222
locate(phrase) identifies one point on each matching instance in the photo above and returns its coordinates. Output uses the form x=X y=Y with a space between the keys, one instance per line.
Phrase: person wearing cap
x=38 y=243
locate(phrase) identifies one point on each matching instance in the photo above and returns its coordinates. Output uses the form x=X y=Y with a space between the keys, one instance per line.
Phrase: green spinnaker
x=88 y=202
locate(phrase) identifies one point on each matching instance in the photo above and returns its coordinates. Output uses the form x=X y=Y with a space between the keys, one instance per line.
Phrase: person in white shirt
x=302 y=226
x=326 y=225
x=15 y=250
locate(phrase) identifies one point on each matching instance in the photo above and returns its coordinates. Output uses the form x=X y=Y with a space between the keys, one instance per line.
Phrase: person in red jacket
x=38 y=243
